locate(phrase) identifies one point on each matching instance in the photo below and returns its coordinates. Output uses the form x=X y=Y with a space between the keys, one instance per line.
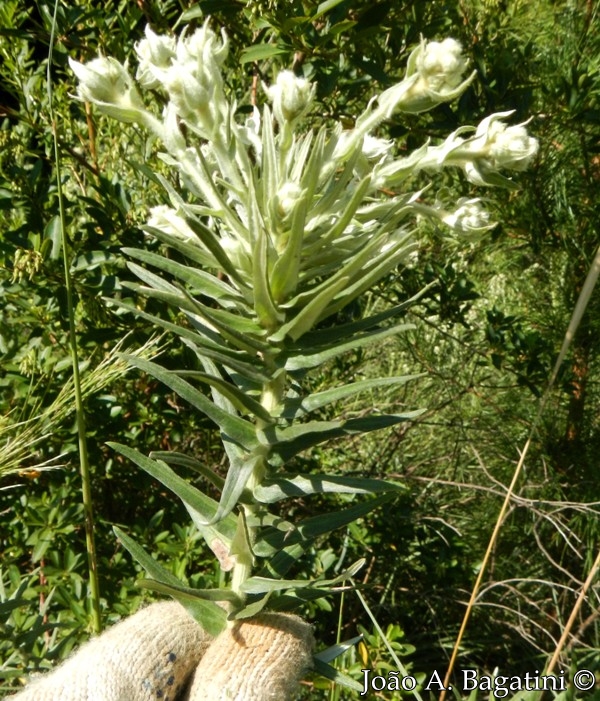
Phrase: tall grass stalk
x=84 y=467
x=580 y=307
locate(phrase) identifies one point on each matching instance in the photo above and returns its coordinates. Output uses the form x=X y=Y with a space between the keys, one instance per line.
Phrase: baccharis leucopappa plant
x=270 y=230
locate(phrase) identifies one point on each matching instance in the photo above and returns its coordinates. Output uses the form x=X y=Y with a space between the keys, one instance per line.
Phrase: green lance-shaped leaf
x=331 y=336
x=260 y=52
x=193 y=252
x=172 y=457
x=236 y=480
x=220 y=325
x=381 y=266
x=333 y=674
x=285 y=544
x=284 y=278
x=206 y=344
x=268 y=178
x=203 y=505
x=321 y=152
x=286 y=443
x=288 y=487
x=295 y=407
x=331 y=184
x=305 y=319
x=250 y=610
x=201 y=281
x=331 y=653
x=264 y=305
x=239 y=331
x=304 y=361
x=181 y=592
x=297 y=157
x=352 y=268
x=210 y=240
x=234 y=428
x=154 y=281
x=329 y=238
x=261 y=585
x=208 y=614
x=240 y=400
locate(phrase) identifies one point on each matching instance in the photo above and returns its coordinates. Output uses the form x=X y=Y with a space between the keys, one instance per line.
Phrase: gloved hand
x=162 y=653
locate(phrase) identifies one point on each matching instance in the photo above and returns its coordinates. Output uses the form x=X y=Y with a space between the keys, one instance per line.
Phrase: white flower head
x=291 y=96
x=497 y=146
x=203 y=47
x=168 y=220
x=469 y=218
x=441 y=65
x=187 y=93
x=106 y=83
x=434 y=74
x=375 y=149
x=156 y=53
x=511 y=147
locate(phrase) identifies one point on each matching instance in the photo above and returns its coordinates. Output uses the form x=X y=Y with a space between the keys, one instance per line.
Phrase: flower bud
x=102 y=80
x=469 y=218
x=156 y=53
x=106 y=83
x=512 y=147
x=291 y=96
x=186 y=92
x=286 y=198
x=496 y=146
x=435 y=70
x=441 y=65
x=203 y=47
x=168 y=220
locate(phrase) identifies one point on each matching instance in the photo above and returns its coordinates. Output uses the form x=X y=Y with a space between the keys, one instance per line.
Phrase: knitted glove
x=146 y=657
x=153 y=654
x=262 y=659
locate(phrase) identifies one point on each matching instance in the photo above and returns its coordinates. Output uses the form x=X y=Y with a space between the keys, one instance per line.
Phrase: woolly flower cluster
x=266 y=198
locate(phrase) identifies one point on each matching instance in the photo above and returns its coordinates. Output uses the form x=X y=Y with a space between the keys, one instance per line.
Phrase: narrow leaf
x=336 y=650
x=260 y=52
x=284 y=278
x=203 y=505
x=235 y=483
x=204 y=282
x=250 y=610
x=210 y=616
x=302 y=361
x=174 y=458
x=271 y=491
x=264 y=305
x=286 y=546
x=260 y=585
x=304 y=320
x=298 y=406
x=329 y=672
x=285 y=443
x=240 y=400
x=236 y=429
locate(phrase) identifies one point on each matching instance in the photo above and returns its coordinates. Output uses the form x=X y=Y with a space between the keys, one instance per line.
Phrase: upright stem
x=271 y=398
x=80 y=417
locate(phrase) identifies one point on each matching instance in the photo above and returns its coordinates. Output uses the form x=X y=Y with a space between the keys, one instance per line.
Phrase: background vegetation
x=486 y=336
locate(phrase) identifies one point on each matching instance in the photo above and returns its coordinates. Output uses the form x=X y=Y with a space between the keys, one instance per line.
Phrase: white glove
x=154 y=654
